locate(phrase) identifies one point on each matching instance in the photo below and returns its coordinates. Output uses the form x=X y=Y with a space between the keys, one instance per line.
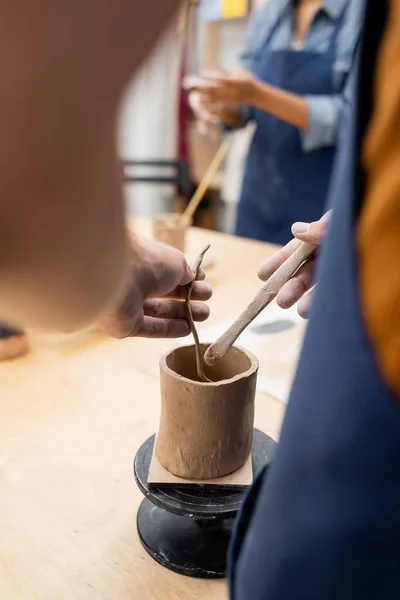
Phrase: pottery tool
x=207 y=178
x=264 y=297
x=189 y=288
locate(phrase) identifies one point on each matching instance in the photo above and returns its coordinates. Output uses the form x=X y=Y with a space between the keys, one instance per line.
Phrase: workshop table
x=72 y=415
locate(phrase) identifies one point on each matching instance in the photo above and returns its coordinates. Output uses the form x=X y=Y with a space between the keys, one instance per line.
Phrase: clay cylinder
x=170 y=230
x=206 y=429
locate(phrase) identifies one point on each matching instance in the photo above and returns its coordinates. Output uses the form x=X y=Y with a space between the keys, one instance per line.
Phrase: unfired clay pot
x=206 y=429
x=170 y=230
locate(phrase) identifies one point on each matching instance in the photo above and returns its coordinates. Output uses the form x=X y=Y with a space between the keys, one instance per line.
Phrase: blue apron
x=282 y=183
x=324 y=522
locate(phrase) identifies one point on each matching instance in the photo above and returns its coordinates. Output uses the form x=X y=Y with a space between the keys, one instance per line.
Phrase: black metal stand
x=187 y=528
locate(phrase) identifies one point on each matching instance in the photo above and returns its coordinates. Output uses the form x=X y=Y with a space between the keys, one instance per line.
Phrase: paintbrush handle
x=204 y=183
x=265 y=295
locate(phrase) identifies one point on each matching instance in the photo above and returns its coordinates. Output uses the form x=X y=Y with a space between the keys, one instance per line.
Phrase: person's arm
x=65 y=258
x=282 y=104
x=317 y=117
x=231 y=115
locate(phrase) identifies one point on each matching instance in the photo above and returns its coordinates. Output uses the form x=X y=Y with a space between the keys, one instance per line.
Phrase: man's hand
x=298 y=288
x=153 y=305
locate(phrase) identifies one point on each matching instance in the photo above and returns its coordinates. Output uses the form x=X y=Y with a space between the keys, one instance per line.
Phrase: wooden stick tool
x=266 y=294
x=204 y=183
x=189 y=288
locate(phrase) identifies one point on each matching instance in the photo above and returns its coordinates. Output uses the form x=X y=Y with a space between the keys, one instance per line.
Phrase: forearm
x=282 y=104
x=316 y=116
x=63 y=255
x=63 y=240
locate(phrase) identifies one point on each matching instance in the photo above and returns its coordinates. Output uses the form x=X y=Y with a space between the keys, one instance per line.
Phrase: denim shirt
x=325 y=112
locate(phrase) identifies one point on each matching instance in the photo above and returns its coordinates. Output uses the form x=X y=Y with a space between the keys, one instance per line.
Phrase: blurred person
x=295 y=84
x=66 y=256
x=322 y=522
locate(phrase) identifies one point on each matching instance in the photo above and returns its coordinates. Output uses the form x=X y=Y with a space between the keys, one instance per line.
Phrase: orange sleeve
x=378 y=234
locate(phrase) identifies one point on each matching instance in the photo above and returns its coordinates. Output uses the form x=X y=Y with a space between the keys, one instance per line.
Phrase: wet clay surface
x=206 y=428
x=183 y=363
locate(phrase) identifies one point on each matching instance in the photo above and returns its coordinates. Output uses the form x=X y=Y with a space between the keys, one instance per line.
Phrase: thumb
x=188 y=275
x=312 y=233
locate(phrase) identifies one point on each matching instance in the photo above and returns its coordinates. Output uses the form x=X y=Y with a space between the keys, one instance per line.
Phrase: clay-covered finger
x=303 y=307
x=276 y=260
x=202 y=291
x=297 y=286
x=201 y=274
x=152 y=327
x=189 y=274
x=174 y=309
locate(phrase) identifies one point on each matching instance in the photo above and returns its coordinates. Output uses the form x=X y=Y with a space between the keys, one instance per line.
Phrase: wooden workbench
x=72 y=415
